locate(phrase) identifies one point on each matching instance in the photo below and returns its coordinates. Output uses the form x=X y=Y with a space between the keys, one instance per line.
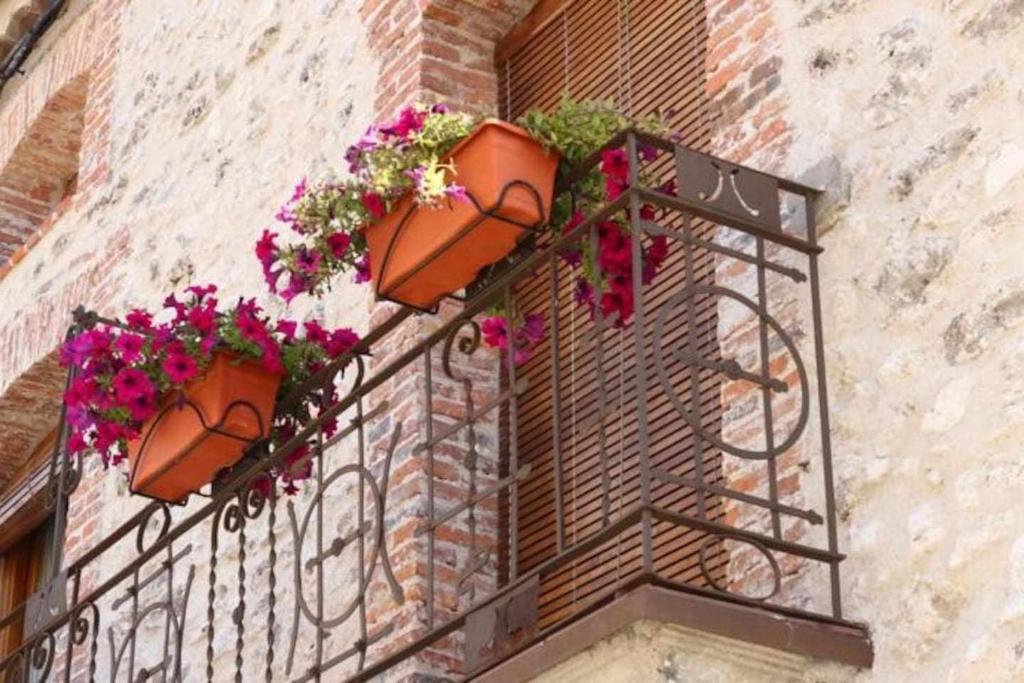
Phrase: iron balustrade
x=404 y=548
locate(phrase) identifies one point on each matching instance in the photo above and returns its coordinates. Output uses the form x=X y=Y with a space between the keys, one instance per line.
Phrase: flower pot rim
x=497 y=123
x=232 y=357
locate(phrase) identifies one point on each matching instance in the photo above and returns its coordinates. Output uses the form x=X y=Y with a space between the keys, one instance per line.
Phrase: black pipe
x=13 y=62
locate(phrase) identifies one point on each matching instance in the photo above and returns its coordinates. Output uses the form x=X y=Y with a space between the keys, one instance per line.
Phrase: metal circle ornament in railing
x=372 y=529
x=691 y=357
x=165 y=526
x=760 y=547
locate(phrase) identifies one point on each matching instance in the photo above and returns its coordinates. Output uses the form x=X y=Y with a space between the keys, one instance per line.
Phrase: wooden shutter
x=649 y=56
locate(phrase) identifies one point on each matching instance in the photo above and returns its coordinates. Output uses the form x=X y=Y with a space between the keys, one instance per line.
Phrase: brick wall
x=437 y=51
x=750 y=127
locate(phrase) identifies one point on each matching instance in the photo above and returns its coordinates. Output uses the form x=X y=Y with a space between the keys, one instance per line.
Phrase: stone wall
x=899 y=110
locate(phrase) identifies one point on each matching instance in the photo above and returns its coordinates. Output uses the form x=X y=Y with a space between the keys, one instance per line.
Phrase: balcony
x=464 y=507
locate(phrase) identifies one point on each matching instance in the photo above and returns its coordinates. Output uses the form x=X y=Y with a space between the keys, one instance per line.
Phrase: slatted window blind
x=649 y=56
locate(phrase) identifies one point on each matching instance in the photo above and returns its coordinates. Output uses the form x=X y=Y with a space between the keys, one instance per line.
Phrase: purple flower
x=308 y=260
x=362 y=267
x=457 y=192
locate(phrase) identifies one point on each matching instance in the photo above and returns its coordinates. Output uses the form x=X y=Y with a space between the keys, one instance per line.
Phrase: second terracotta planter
x=192 y=438
x=418 y=255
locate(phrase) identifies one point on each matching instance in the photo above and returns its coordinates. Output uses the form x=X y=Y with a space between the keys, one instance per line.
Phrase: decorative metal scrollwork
x=734 y=190
x=691 y=414
x=373 y=530
x=773 y=565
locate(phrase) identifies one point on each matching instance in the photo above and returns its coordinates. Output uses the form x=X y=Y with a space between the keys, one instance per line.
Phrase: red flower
x=374 y=205
x=139 y=319
x=615 y=163
x=338 y=243
x=342 y=340
x=250 y=327
x=203 y=319
x=316 y=334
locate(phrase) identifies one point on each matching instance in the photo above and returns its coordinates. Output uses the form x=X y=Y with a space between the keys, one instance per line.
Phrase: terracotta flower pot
x=418 y=255
x=185 y=445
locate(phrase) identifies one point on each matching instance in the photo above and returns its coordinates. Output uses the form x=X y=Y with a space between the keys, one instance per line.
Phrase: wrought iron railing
x=467 y=505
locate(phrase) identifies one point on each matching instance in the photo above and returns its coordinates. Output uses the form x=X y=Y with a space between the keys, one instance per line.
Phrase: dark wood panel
x=652 y=63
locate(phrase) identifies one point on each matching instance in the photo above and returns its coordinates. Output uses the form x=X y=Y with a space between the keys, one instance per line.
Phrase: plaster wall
x=903 y=111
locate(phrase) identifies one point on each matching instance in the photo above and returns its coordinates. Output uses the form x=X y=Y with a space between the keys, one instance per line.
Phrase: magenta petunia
x=266 y=249
x=129 y=346
x=287 y=328
x=180 y=368
x=495 y=331
x=130 y=383
x=142 y=407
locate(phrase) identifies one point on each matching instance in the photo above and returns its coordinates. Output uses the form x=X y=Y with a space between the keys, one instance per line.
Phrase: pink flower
x=299 y=191
x=179 y=308
x=297 y=284
x=82 y=392
x=374 y=205
x=76 y=442
x=495 y=331
x=287 y=328
x=266 y=249
x=129 y=346
x=180 y=368
x=614 y=187
x=338 y=243
x=647 y=152
x=410 y=120
x=271 y=355
x=130 y=383
x=533 y=328
x=91 y=345
x=583 y=293
x=142 y=407
x=201 y=292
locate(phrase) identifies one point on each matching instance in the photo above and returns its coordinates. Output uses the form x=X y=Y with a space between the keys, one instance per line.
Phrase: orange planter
x=185 y=445
x=418 y=255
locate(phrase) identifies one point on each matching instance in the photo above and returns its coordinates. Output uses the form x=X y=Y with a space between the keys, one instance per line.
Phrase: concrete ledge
x=736 y=625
